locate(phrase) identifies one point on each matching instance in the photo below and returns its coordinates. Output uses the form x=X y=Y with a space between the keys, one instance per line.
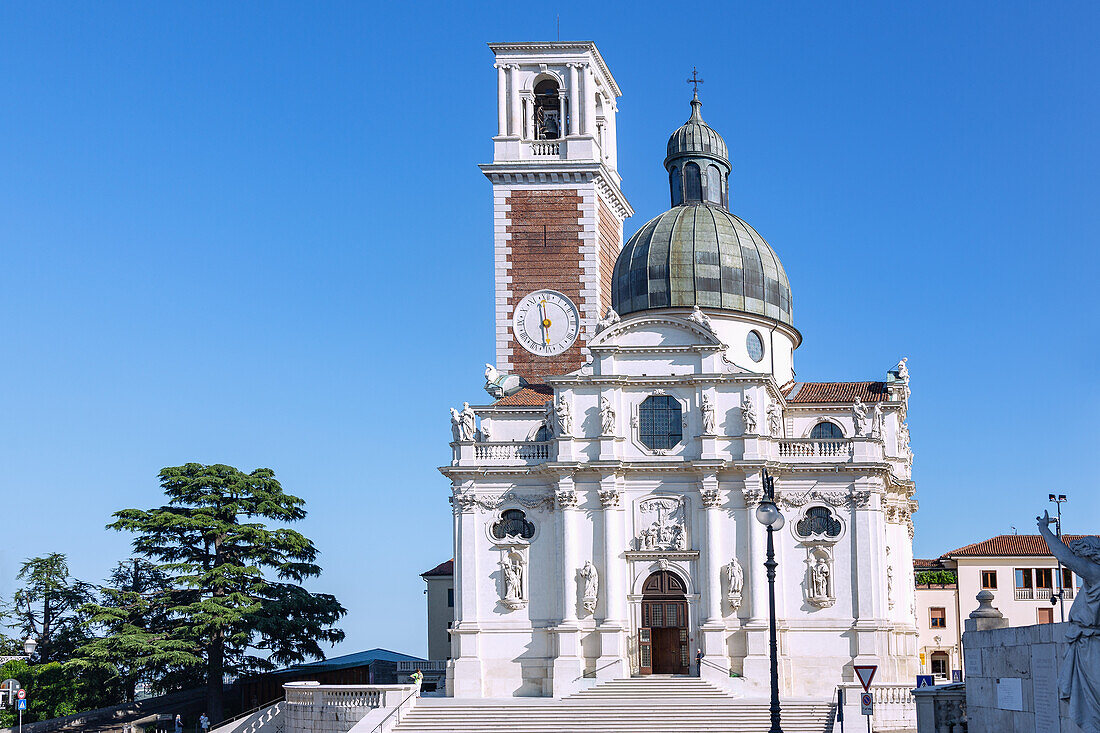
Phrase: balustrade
x=815 y=448
x=532 y=451
x=546 y=147
x=1024 y=594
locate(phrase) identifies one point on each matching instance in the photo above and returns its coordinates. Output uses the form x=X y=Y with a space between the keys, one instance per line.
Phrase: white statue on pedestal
x=607 y=417
x=512 y=570
x=775 y=419
x=591 y=580
x=859 y=416
x=610 y=318
x=467 y=422
x=735 y=578
x=708 y=416
x=748 y=415
x=876 y=420
x=456 y=425
x=564 y=416
x=700 y=318
x=1079 y=680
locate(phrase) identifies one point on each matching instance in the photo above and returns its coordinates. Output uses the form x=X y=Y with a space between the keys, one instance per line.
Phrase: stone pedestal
x=715 y=666
x=612 y=663
x=610 y=448
x=568 y=672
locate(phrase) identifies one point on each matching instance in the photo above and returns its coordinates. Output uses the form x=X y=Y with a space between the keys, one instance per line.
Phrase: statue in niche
x=512 y=569
x=700 y=318
x=775 y=419
x=607 y=416
x=564 y=416
x=610 y=318
x=859 y=416
x=877 y=418
x=1079 y=679
x=591 y=580
x=821 y=579
x=456 y=425
x=748 y=415
x=708 y=416
x=735 y=579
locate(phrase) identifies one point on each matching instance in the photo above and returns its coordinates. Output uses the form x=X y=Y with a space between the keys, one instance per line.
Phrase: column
x=561 y=113
x=757 y=662
x=516 y=128
x=568 y=670
x=612 y=151
x=465 y=670
x=574 y=101
x=589 y=102
x=713 y=631
x=869 y=556
x=613 y=662
x=502 y=101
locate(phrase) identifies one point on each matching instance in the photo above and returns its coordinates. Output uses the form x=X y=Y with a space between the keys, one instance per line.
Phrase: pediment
x=655 y=334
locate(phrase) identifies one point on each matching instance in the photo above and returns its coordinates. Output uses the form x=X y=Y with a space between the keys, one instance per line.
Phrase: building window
x=693 y=185
x=513 y=523
x=818 y=521
x=937 y=618
x=989 y=580
x=1067 y=578
x=450 y=598
x=677 y=186
x=547 y=111
x=826 y=431
x=1044 y=615
x=1023 y=578
x=660 y=422
x=939 y=664
x=755 y=346
x=714 y=184
x=1044 y=578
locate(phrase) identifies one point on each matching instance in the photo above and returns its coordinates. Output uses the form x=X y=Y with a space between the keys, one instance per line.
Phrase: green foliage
x=48 y=607
x=936 y=577
x=53 y=691
x=230 y=571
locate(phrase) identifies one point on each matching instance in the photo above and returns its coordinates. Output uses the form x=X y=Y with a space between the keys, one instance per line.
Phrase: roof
x=825 y=392
x=695 y=138
x=443 y=568
x=533 y=395
x=358 y=659
x=1010 y=545
x=936 y=564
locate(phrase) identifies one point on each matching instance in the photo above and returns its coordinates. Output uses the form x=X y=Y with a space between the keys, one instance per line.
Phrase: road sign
x=866 y=673
x=956 y=675
x=21 y=704
x=21 y=695
x=925 y=680
x=866 y=703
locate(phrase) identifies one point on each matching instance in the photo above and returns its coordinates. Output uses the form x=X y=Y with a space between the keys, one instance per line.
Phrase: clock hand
x=545 y=322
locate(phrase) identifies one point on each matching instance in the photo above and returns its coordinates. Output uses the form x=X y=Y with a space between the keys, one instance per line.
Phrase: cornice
x=589 y=46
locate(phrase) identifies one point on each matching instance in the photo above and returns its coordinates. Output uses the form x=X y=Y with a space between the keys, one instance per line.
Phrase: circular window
x=755 y=345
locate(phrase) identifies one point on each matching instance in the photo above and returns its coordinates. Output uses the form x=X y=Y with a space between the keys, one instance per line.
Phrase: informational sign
x=925 y=680
x=1044 y=684
x=866 y=673
x=956 y=675
x=1010 y=693
x=866 y=703
x=21 y=704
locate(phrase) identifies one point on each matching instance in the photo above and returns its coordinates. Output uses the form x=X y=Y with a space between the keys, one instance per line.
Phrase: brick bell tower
x=558 y=209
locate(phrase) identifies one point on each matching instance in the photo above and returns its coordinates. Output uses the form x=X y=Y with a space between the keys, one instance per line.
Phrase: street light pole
x=29 y=645
x=769 y=515
x=1058 y=530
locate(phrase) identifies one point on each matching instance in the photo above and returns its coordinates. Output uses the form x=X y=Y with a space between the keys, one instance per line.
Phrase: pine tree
x=48 y=607
x=208 y=539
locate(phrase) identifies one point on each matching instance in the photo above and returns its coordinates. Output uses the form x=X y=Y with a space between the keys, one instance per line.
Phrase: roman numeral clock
x=545 y=323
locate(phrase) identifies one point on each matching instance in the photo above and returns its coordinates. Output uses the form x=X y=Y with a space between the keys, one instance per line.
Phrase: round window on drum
x=755 y=346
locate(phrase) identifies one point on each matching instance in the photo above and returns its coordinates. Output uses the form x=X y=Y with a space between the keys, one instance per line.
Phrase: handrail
x=592 y=674
x=378 y=728
x=704 y=660
x=245 y=714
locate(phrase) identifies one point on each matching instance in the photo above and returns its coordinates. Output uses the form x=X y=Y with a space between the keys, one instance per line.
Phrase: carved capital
x=610 y=498
x=712 y=498
x=567 y=498
x=464 y=500
x=752 y=496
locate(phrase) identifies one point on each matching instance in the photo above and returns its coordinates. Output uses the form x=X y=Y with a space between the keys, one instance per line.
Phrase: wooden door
x=663 y=637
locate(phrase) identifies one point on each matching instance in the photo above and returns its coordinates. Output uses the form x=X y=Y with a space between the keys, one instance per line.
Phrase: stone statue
x=466 y=422
x=550 y=418
x=820 y=579
x=1079 y=680
x=513 y=582
x=607 y=416
x=748 y=414
x=735 y=577
x=708 y=416
x=456 y=425
x=499 y=384
x=486 y=434
x=902 y=370
x=859 y=416
x=564 y=416
x=775 y=419
x=890 y=585
x=610 y=318
x=876 y=420
x=591 y=580
x=702 y=319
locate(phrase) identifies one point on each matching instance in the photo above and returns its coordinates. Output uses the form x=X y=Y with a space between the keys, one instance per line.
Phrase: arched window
x=660 y=422
x=826 y=430
x=714 y=184
x=547 y=111
x=513 y=523
x=677 y=186
x=818 y=521
x=693 y=186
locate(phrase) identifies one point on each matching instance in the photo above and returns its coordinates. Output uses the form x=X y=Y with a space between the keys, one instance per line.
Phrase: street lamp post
x=769 y=515
x=1058 y=530
x=29 y=645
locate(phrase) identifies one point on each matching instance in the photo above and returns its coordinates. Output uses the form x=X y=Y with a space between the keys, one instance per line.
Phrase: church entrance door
x=663 y=637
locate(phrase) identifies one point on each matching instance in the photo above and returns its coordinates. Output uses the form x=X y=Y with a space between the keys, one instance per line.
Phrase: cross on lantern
x=695 y=80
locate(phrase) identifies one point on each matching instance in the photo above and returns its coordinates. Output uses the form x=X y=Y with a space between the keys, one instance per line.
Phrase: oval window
x=755 y=345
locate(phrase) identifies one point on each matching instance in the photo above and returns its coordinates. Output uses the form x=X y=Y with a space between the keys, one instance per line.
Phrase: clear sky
x=255 y=233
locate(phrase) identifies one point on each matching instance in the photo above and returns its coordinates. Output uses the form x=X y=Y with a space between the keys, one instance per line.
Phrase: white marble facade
x=530 y=514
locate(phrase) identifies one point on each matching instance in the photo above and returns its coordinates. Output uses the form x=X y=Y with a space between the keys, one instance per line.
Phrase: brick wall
x=611 y=242
x=545 y=239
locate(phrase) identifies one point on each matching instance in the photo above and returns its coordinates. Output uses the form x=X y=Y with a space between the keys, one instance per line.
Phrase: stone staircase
x=640 y=705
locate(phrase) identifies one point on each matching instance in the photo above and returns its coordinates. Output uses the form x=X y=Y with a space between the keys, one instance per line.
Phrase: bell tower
x=558 y=209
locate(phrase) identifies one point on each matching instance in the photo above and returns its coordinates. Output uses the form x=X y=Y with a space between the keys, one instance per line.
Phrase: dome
x=696 y=139
x=699 y=254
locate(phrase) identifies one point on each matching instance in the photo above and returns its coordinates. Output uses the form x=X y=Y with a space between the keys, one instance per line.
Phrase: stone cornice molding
x=582 y=46
x=645 y=320
x=672 y=465
x=533 y=173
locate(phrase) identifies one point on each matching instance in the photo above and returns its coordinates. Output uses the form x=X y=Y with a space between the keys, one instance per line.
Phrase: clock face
x=545 y=322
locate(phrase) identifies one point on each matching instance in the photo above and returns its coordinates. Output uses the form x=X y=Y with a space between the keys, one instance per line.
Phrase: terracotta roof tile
x=443 y=568
x=928 y=564
x=811 y=392
x=533 y=395
x=1010 y=545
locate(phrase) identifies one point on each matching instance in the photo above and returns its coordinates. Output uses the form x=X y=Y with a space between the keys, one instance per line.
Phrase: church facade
x=604 y=499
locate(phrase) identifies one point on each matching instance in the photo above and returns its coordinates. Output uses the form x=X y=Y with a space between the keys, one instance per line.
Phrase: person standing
x=204 y=723
x=179 y=723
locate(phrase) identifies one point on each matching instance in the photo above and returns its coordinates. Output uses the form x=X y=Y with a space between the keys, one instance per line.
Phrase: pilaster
x=467 y=671
x=713 y=629
x=613 y=662
x=568 y=664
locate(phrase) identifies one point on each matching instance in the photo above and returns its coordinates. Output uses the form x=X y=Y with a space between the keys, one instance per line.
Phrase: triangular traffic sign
x=866 y=673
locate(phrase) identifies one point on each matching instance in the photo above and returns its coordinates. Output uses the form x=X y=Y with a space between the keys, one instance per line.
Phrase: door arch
x=663 y=636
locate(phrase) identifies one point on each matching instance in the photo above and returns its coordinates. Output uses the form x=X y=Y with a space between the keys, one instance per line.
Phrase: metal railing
x=378 y=728
x=432 y=665
x=724 y=670
x=592 y=675
x=245 y=714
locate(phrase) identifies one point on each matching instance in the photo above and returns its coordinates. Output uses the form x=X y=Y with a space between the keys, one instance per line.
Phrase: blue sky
x=255 y=233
